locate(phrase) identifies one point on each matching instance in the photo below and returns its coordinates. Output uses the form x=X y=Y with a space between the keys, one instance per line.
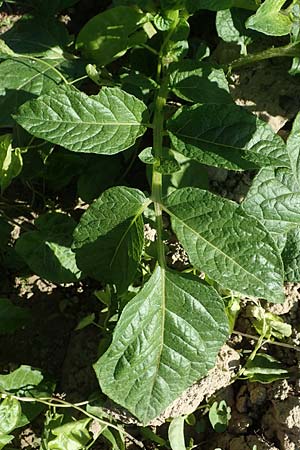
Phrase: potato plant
x=156 y=93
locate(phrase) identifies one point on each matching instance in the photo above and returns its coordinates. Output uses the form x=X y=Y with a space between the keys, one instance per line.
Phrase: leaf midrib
x=220 y=144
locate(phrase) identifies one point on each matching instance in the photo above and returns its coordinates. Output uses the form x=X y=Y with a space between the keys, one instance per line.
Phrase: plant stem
x=290 y=50
x=59 y=403
x=158 y=136
x=256 y=338
x=158 y=128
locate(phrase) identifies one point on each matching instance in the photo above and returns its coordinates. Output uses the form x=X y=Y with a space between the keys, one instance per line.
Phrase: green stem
x=158 y=128
x=290 y=50
x=59 y=403
x=158 y=136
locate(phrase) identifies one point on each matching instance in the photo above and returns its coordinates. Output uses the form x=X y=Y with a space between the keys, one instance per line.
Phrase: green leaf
x=176 y=433
x=27 y=382
x=167 y=337
x=5 y=439
x=217 y=5
x=235 y=258
x=12 y=317
x=109 y=238
x=230 y=25
x=191 y=173
x=208 y=134
x=219 y=416
x=293 y=149
x=10 y=413
x=291 y=256
x=22 y=379
x=99 y=174
x=70 y=436
x=115 y=438
x=177 y=46
x=10 y=161
x=23 y=80
x=199 y=82
x=274 y=199
x=264 y=369
x=40 y=36
x=269 y=325
x=106 y=123
x=85 y=321
x=110 y=34
x=47 y=251
x=270 y=20
x=5 y=50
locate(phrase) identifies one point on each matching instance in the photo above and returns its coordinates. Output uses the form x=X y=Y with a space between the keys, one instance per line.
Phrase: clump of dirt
x=282 y=422
x=218 y=378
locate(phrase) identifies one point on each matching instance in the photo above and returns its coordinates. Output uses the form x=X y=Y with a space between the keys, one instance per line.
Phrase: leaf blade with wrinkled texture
x=47 y=251
x=167 y=337
x=270 y=20
x=293 y=148
x=274 y=199
x=232 y=248
x=106 y=123
x=109 y=238
x=199 y=82
x=228 y=137
x=22 y=80
x=109 y=34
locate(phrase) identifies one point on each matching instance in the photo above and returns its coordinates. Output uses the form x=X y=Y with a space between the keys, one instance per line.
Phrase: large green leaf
x=22 y=80
x=106 y=123
x=12 y=317
x=108 y=35
x=274 y=199
x=40 y=36
x=227 y=136
x=199 y=82
x=291 y=256
x=293 y=148
x=167 y=337
x=269 y=19
x=232 y=248
x=47 y=251
x=109 y=238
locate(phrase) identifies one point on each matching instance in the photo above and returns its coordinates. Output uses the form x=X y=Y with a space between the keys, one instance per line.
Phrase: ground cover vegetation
x=126 y=114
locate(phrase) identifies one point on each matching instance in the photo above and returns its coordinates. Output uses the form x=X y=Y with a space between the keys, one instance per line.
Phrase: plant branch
x=256 y=338
x=158 y=128
x=290 y=50
x=59 y=403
